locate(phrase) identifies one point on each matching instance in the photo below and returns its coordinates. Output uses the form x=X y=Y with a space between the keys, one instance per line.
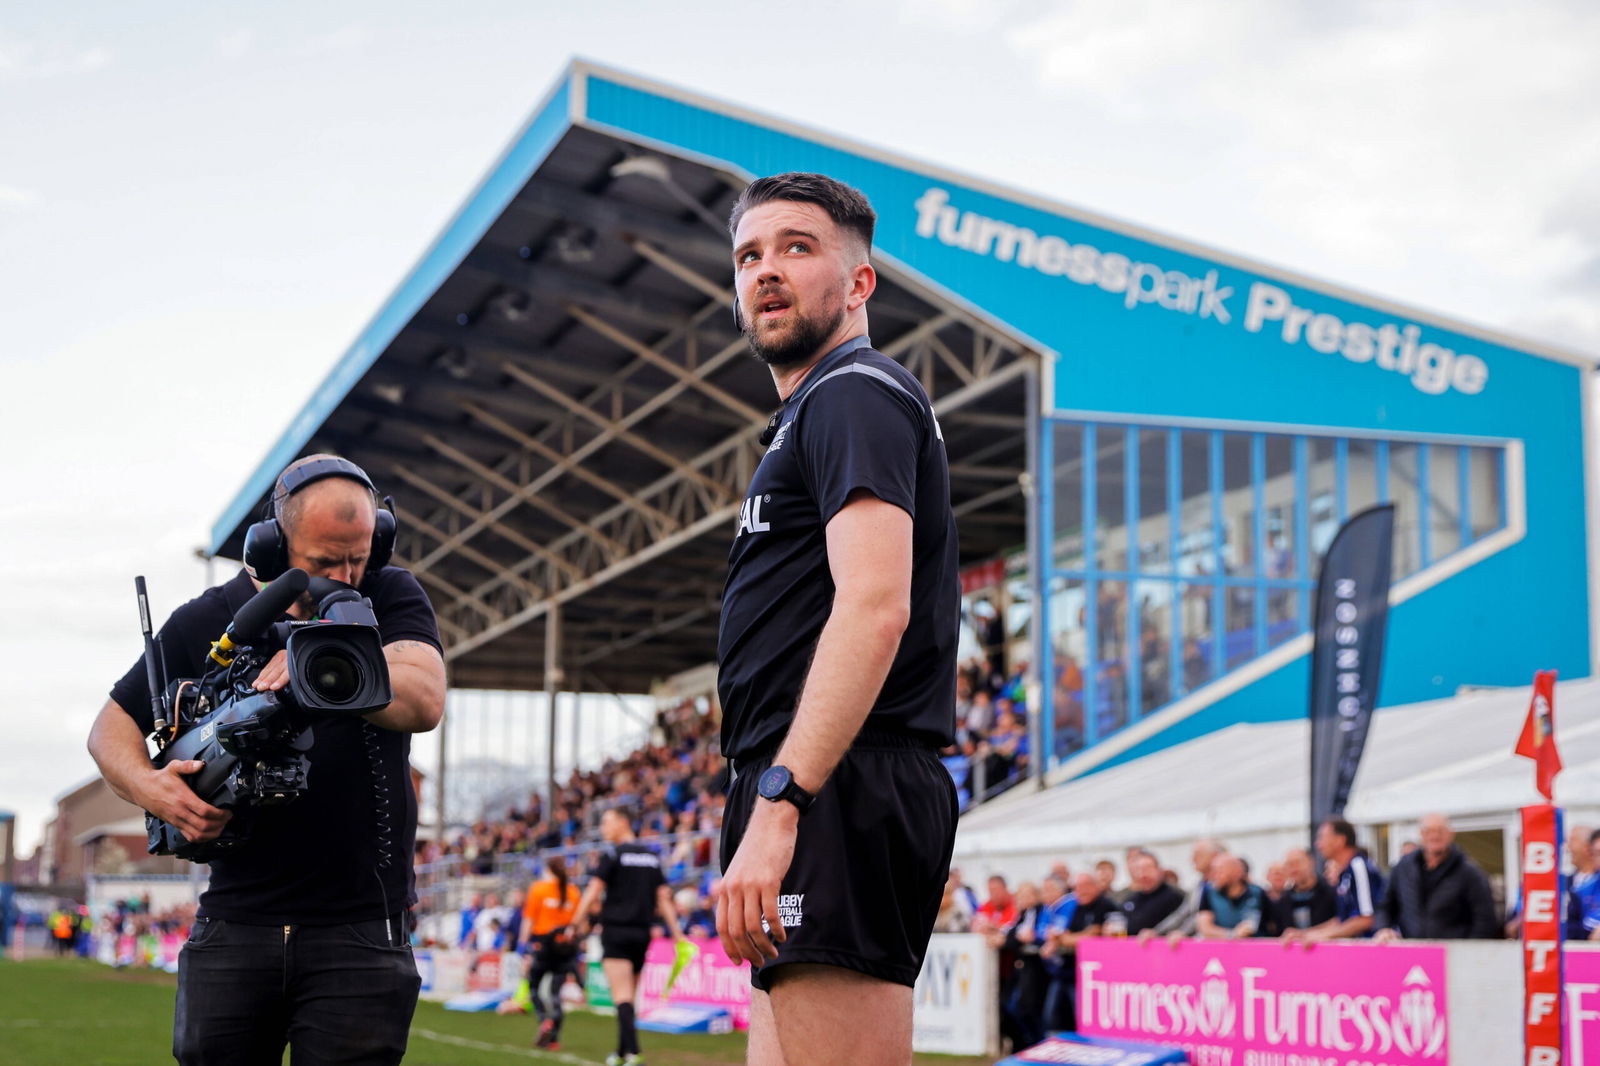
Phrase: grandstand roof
x=559 y=403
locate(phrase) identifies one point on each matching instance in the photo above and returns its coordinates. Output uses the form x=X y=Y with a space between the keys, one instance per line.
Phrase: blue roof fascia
x=494 y=193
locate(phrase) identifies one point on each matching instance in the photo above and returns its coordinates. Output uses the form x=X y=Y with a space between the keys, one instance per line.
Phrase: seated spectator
x=1436 y=892
x=1106 y=871
x=1231 y=908
x=1023 y=990
x=950 y=918
x=488 y=930
x=1182 y=920
x=1583 y=901
x=1007 y=749
x=1023 y=980
x=966 y=900
x=980 y=715
x=1307 y=899
x=1358 y=887
x=999 y=912
x=1277 y=881
x=1088 y=919
x=469 y=921
x=1060 y=906
x=695 y=910
x=1151 y=899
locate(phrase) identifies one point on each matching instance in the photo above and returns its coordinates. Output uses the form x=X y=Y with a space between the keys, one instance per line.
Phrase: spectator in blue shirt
x=1583 y=900
x=1057 y=918
x=1358 y=890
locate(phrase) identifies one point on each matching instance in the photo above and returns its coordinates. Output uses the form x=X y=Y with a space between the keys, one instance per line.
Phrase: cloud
x=13 y=199
x=236 y=44
x=22 y=60
x=350 y=38
x=1374 y=141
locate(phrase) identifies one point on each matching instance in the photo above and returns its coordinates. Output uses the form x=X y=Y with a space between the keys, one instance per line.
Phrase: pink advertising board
x=710 y=978
x=1582 y=985
x=1265 y=1003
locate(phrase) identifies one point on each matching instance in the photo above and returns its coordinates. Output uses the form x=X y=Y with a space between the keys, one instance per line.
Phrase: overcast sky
x=199 y=212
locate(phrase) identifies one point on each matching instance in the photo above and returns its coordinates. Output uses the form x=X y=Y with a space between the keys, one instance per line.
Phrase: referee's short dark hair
x=847 y=207
x=1340 y=827
x=626 y=813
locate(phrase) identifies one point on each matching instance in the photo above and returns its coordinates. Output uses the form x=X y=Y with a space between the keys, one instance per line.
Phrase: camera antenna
x=154 y=671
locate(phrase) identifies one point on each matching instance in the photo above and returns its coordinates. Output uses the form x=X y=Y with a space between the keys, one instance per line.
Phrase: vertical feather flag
x=1538 y=739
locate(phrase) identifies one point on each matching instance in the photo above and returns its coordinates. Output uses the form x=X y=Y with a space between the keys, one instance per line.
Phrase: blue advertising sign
x=1070 y=1048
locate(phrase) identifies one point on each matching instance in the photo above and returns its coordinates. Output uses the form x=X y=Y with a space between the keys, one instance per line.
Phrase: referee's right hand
x=750 y=886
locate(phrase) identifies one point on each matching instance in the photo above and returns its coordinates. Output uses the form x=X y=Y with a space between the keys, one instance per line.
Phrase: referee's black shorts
x=870 y=861
x=625 y=942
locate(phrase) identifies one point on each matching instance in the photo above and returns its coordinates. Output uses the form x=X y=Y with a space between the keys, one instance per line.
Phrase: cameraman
x=300 y=937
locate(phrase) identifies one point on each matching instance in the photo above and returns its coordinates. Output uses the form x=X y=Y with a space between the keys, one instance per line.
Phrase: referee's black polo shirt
x=858 y=421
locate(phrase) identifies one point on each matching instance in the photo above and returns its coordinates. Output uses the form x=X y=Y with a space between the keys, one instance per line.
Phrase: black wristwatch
x=777 y=783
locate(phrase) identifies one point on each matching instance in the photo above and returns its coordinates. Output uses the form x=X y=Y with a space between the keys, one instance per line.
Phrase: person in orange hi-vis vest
x=551 y=947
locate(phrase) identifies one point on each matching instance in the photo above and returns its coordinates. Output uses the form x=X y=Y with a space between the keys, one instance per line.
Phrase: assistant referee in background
x=837 y=650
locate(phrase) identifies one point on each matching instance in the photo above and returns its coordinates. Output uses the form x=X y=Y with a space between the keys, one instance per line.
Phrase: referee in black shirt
x=628 y=878
x=836 y=650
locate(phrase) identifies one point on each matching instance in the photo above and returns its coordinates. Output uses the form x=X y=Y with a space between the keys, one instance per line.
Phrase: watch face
x=773 y=782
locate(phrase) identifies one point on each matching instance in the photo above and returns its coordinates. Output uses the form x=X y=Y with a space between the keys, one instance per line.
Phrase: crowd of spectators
x=1433 y=892
x=991 y=748
x=675 y=787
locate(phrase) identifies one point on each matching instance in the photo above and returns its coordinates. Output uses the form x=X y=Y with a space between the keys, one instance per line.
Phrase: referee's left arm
x=869 y=556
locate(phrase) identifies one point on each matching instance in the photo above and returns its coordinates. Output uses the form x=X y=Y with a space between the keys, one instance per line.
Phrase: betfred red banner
x=1541 y=935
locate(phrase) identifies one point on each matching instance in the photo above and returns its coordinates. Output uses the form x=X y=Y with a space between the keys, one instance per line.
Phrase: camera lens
x=333 y=676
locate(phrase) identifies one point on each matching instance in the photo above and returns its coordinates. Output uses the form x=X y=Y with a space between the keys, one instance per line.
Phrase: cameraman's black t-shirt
x=315 y=860
x=859 y=420
x=632 y=874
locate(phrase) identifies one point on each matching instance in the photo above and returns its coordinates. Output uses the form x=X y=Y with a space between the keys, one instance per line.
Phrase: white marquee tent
x=1248 y=786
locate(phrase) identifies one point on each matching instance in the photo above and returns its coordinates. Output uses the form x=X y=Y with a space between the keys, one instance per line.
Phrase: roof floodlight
x=454 y=361
x=655 y=168
x=511 y=304
x=643 y=166
x=574 y=244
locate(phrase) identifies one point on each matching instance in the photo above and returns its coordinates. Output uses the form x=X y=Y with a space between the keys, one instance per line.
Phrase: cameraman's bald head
x=344 y=499
x=328 y=524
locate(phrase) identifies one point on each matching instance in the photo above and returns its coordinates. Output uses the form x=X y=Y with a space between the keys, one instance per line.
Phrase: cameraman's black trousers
x=334 y=994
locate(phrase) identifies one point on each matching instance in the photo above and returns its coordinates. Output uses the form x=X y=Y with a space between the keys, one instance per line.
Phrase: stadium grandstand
x=1151 y=445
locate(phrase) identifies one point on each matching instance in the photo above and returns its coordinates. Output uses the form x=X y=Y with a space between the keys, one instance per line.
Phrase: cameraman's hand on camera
x=275 y=674
x=166 y=795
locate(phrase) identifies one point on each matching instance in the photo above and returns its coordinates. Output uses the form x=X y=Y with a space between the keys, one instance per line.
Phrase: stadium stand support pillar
x=439 y=813
x=552 y=685
x=1041 y=686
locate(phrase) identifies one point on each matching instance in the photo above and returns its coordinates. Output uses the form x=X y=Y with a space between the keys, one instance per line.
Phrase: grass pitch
x=59 y=1011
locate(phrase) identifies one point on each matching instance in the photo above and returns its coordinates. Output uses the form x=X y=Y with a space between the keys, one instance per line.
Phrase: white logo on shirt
x=639 y=858
x=750 y=516
x=782 y=434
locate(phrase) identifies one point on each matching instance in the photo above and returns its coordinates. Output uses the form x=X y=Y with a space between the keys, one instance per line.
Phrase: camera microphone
x=263 y=609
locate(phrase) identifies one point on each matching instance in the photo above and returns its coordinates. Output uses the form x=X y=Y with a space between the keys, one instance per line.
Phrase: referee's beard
x=798 y=343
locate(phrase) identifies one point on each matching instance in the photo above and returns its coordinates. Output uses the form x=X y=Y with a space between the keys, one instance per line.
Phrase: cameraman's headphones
x=266 y=548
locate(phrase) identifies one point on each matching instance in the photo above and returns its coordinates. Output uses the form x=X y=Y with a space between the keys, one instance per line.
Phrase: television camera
x=254 y=744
